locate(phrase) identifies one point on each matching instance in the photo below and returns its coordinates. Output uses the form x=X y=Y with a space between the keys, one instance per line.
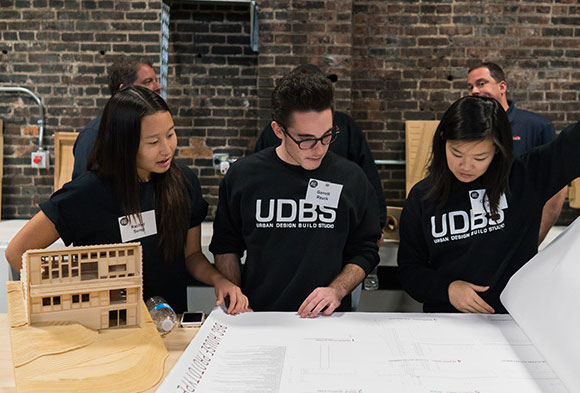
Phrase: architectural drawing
x=393 y=352
x=99 y=287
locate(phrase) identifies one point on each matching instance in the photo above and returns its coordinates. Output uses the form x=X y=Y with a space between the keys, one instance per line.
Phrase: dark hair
x=114 y=157
x=124 y=72
x=472 y=119
x=311 y=68
x=494 y=70
x=302 y=92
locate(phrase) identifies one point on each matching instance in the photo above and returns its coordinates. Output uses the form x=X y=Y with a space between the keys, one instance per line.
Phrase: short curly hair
x=302 y=92
x=124 y=72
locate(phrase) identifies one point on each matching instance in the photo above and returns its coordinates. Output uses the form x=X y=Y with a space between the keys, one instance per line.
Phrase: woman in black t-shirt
x=474 y=221
x=133 y=178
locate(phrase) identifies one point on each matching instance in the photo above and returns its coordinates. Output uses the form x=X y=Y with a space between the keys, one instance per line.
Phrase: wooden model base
x=68 y=357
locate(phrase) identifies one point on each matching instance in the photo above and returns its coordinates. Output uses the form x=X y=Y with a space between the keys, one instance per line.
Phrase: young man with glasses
x=350 y=144
x=307 y=218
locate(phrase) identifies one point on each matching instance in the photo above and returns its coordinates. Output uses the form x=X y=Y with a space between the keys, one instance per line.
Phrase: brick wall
x=397 y=60
x=410 y=61
x=298 y=32
x=212 y=86
x=60 y=50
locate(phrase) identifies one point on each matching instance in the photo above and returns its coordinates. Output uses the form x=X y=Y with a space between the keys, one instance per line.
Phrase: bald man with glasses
x=306 y=217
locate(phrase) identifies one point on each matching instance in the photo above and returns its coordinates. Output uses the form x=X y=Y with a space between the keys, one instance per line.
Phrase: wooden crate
x=63 y=157
x=418 y=141
x=574 y=194
x=391 y=229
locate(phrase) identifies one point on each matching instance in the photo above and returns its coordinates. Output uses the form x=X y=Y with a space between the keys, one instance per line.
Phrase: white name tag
x=133 y=229
x=478 y=205
x=323 y=193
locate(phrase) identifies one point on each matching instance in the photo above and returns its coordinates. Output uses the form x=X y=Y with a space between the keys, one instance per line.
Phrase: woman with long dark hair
x=134 y=191
x=474 y=221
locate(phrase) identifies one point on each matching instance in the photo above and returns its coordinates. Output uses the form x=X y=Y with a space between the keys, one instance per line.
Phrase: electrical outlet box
x=218 y=158
x=39 y=159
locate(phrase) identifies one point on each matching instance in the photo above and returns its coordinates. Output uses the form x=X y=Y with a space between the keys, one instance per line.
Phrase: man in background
x=126 y=71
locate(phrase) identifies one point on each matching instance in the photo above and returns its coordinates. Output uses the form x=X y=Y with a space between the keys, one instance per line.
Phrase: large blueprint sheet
x=544 y=298
x=361 y=353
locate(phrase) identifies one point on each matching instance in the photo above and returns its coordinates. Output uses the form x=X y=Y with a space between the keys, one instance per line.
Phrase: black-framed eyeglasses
x=306 y=144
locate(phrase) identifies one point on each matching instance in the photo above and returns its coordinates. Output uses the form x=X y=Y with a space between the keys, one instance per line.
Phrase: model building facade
x=97 y=286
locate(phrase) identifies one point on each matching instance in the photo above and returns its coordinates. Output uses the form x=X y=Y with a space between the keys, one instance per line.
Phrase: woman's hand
x=238 y=302
x=463 y=296
x=200 y=269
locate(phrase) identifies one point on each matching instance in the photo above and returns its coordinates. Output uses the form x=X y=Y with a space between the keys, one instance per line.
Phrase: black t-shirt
x=350 y=144
x=86 y=211
x=529 y=129
x=293 y=246
x=457 y=242
x=84 y=145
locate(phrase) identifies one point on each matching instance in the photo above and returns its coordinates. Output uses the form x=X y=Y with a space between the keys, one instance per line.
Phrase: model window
x=103 y=254
x=44 y=272
x=64 y=271
x=46 y=301
x=85 y=297
x=75 y=298
x=121 y=253
x=54 y=260
x=117 y=268
x=130 y=253
x=55 y=273
x=75 y=260
x=112 y=254
x=117 y=318
x=84 y=255
x=89 y=271
x=56 y=300
x=113 y=318
x=118 y=296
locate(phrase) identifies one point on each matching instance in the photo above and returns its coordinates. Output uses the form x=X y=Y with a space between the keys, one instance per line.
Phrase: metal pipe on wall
x=40 y=122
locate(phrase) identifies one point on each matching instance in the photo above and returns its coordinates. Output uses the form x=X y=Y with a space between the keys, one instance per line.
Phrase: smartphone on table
x=192 y=319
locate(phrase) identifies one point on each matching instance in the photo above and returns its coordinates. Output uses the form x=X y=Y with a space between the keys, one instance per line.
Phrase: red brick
x=396 y=60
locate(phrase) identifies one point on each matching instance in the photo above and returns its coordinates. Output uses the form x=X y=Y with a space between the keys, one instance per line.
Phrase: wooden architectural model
x=99 y=287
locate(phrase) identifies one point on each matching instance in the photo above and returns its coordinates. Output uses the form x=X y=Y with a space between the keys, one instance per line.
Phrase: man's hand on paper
x=322 y=298
x=238 y=302
x=463 y=296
